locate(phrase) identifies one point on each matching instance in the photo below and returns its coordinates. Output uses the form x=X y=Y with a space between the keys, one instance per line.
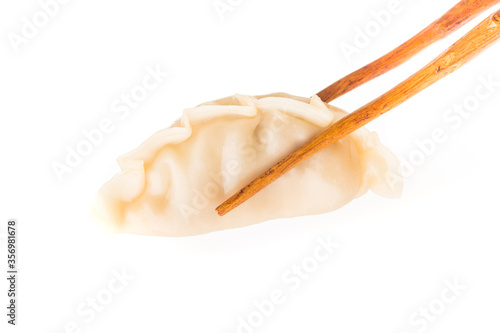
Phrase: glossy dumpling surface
x=171 y=184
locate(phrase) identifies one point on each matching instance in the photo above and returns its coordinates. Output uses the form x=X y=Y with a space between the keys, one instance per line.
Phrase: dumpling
x=171 y=184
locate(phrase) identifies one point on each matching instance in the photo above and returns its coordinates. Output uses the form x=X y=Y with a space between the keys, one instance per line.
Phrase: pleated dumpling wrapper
x=171 y=184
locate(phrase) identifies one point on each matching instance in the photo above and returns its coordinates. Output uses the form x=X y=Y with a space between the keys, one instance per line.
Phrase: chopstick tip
x=222 y=210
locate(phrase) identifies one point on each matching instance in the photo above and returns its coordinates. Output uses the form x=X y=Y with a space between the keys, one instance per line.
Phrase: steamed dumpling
x=172 y=183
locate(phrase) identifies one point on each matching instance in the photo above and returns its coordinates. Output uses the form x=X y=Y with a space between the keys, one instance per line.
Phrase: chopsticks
x=455 y=18
x=464 y=50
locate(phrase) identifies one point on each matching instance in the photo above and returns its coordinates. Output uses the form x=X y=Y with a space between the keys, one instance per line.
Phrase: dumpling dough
x=172 y=183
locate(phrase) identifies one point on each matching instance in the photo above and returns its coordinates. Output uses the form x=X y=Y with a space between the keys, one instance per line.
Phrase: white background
x=395 y=256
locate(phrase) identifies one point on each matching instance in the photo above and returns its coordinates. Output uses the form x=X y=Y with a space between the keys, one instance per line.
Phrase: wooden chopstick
x=455 y=18
x=465 y=49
